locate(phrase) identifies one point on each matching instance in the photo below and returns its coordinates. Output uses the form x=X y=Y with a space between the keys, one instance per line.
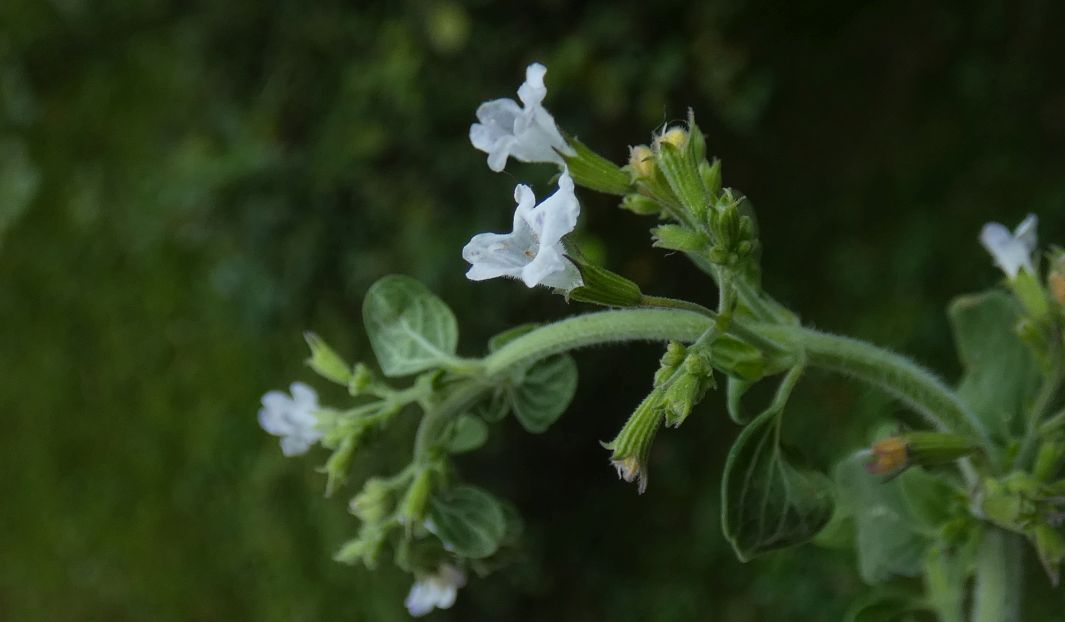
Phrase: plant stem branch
x=997 y=593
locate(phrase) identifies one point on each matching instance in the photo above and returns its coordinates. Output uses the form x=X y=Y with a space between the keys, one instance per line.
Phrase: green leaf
x=494 y=407
x=1000 y=371
x=767 y=502
x=467 y=434
x=469 y=521
x=885 y=606
x=544 y=392
x=889 y=540
x=946 y=572
x=410 y=329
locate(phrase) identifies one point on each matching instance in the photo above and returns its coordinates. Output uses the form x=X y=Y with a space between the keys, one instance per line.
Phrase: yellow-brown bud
x=641 y=161
x=889 y=456
x=1056 y=282
x=676 y=136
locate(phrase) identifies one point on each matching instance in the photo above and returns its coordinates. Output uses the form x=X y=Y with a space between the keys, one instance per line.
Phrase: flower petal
x=1009 y=252
x=533 y=91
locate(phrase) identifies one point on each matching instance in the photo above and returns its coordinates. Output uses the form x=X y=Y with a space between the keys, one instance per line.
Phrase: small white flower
x=527 y=133
x=1012 y=251
x=435 y=591
x=533 y=252
x=292 y=418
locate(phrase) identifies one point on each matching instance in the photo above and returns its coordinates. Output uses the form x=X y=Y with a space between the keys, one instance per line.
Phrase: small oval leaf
x=410 y=329
x=767 y=502
x=469 y=521
x=468 y=433
x=545 y=392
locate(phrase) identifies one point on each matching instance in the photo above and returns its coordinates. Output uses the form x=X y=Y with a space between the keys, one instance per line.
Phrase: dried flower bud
x=632 y=446
x=641 y=162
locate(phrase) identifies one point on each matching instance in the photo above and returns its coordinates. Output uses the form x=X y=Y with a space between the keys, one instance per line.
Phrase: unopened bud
x=417 y=498
x=363 y=549
x=639 y=204
x=670 y=361
x=688 y=389
x=632 y=446
x=711 y=176
x=888 y=456
x=325 y=362
x=678 y=238
x=641 y=162
x=894 y=454
x=372 y=504
x=362 y=380
x=1056 y=279
x=676 y=136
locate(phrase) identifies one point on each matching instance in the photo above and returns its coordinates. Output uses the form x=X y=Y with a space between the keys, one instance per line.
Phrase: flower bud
x=670 y=361
x=632 y=446
x=372 y=504
x=892 y=455
x=678 y=238
x=417 y=498
x=640 y=205
x=641 y=162
x=676 y=136
x=688 y=389
x=362 y=380
x=1056 y=279
x=364 y=548
x=325 y=362
x=711 y=175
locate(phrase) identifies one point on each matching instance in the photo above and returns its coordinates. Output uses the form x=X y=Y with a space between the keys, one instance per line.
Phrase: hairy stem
x=894 y=374
x=997 y=593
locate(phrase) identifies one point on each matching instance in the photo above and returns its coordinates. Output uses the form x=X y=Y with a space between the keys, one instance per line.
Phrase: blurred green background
x=186 y=186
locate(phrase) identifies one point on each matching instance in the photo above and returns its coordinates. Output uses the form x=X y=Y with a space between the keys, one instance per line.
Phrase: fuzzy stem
x=894 y=374
x=997 y=593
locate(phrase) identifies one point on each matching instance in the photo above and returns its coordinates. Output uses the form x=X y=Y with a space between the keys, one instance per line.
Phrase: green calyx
x=632 y=446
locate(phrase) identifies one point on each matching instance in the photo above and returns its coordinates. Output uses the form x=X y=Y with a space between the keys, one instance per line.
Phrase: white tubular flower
x=435 y=591
x=292 y=418
x=1012 y=251
x=533 y=252
x=527 y=133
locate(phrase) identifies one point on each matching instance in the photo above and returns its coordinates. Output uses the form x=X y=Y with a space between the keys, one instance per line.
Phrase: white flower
x=1012 y=251
x=527 y=133
x=533 y=252
x=438 y=590
x=292 y=418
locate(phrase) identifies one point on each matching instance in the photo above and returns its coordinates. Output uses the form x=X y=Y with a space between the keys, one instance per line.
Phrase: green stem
x=997 y=593
x=890 y=372
x=894 y=374
x=596 y=329
x=1043 y=402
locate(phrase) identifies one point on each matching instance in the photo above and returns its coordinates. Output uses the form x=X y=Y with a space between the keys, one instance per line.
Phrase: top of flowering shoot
x=527 y=132
x=533 y=252
x=1012 y=251
x=435 y=591
x=292 y=418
